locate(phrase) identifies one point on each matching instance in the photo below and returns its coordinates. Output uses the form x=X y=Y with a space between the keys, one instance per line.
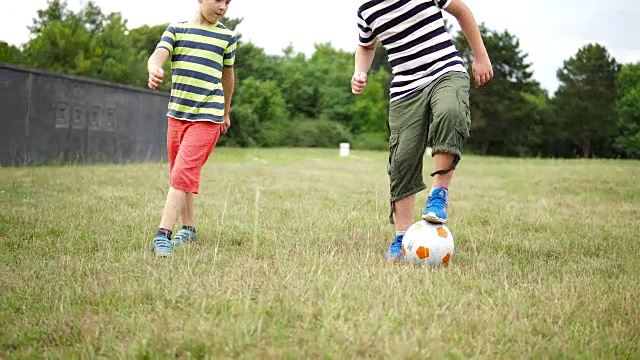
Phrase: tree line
x=305 y=101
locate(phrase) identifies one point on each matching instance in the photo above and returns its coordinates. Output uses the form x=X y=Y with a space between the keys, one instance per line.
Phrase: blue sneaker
x=436 y=207
x=162 y=246
x=395 y=252
x=184 y=237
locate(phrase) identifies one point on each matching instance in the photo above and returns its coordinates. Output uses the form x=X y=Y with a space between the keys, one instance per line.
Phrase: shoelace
x=181 y=235
x=437 y=200
x=397 y=244
x=163 y=243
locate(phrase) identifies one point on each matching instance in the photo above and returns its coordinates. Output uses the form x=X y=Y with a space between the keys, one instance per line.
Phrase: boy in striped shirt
x=429 y=97
x=202 y=56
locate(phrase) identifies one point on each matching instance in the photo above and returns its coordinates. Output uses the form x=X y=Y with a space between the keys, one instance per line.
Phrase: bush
x=371 y=141
x=320 y=133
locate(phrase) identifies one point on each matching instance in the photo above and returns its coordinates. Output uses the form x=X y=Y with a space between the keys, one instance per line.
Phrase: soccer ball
x=427 y=243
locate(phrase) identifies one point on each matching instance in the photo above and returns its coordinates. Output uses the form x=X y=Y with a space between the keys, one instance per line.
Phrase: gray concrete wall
x=48 y=118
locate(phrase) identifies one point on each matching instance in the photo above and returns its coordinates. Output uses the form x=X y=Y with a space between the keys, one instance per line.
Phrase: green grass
x=545 y=266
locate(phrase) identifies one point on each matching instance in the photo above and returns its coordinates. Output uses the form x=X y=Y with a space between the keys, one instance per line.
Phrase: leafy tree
x=370 y=110
x=56 y=12
x=10 y=54
x=300 y=88
x=252 y=61
x=501 y=110
x=116 y=60
x=296 y=100
x=628 y=111
x=145 y=38
x=87 y=43
x=331 y=70
x=232 y=24
x=256 y=104
x=61 y=47
x=585 y=100
x=381 y=61
x=143 y=41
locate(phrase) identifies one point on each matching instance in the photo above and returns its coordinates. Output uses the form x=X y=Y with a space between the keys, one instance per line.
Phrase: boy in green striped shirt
x=202 y=57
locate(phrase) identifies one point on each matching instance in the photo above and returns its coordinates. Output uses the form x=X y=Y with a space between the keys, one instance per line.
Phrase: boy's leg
x=198 y=143
x=407 y=144
x=187 y=234
x=162 y=245
x=403 y=213
x=175 y=201
x=442 y=161
x=448 y=129
x=187 y=215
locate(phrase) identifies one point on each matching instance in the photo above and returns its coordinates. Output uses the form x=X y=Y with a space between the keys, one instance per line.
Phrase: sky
x=550 y=31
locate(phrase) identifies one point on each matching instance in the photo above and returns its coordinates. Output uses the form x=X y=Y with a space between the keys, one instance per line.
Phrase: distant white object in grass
x=429 y=150
x=345 y=149
x=427 y=243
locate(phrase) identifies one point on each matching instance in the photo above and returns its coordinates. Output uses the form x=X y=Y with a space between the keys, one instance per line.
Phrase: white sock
x=433 y=188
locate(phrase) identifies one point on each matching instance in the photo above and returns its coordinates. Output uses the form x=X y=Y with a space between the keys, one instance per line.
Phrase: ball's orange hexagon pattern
x=442 y=232
x=422 y=253
x=446 y=258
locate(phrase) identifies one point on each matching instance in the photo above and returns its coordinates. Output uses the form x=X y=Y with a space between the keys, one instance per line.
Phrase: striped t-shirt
x=198 y=55
x=413 y=32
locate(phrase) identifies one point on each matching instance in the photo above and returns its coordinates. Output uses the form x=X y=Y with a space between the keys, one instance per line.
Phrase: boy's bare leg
x=175 y=202
x=403 y=208
x=403 y=212
x=162 y=243
x=187 y=215
x=436 y=206
x=187 y=234
x=403 y=218
x=442 y=161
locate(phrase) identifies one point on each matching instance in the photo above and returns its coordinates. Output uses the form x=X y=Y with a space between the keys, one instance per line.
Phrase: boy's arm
x=228 y=85
x=154 y=67
x=364 y=59
x=482 y=70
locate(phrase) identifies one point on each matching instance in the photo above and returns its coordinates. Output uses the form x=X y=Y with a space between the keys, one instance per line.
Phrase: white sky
x=550 y=31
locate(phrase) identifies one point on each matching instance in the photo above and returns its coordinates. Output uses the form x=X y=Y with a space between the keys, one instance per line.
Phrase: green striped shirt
x=198 y=55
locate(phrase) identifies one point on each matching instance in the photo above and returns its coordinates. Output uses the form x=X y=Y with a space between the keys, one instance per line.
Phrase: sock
x=164 y=232
x=434 y=188
x=191 y=228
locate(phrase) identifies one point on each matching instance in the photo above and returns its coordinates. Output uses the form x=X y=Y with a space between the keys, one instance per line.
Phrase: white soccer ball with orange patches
x=427 y=243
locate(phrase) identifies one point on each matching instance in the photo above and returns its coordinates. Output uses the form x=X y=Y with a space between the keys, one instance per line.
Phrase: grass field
x=547 y=262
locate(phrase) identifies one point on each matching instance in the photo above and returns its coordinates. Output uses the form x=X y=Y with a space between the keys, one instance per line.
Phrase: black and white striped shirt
x=413 y=32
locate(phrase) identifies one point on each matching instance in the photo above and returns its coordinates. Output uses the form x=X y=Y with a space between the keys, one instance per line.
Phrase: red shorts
x=189 y=145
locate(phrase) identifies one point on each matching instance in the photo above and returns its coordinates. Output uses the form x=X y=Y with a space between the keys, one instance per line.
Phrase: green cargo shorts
x=437 y=116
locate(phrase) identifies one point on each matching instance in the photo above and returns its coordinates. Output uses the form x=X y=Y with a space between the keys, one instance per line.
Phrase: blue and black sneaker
x=436 y=207
x=162 y=246
x=395 y=252
x=184 y=237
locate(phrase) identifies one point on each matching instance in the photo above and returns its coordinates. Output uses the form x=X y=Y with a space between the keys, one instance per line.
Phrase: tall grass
x=290 y=262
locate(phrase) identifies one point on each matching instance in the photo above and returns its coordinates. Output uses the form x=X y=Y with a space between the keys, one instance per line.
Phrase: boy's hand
x=156 y=75
x=358 y=82
x=226 y=124
x=482 y=70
